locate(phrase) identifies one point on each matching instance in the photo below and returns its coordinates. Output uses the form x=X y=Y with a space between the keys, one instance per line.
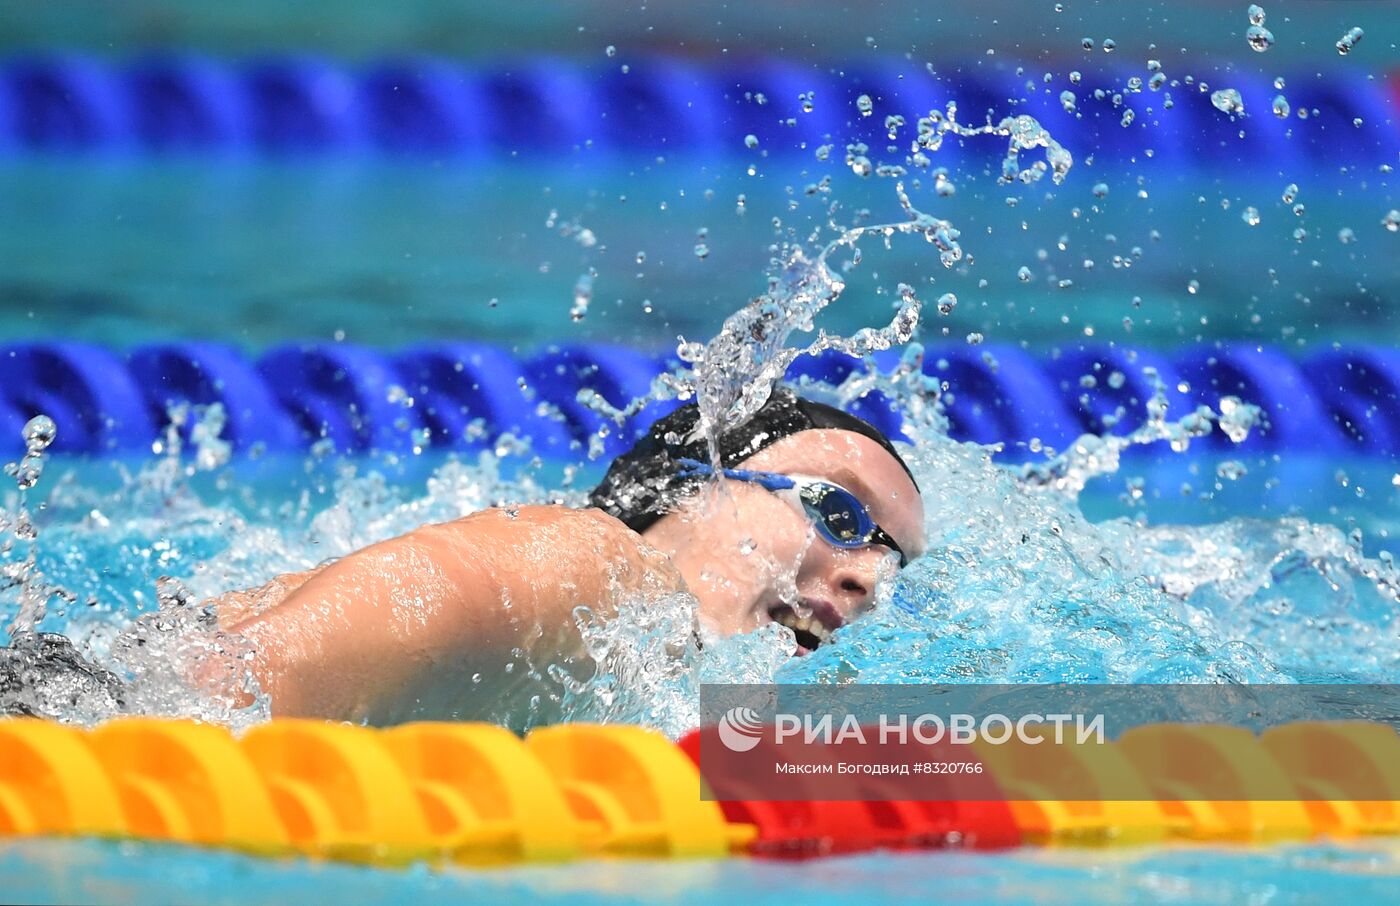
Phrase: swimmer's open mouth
x=812 y=631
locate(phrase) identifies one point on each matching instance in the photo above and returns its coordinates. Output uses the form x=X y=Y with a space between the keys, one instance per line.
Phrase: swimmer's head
x=817 y=506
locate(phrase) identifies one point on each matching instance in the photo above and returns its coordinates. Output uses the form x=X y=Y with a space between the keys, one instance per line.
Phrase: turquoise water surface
x=71 y=872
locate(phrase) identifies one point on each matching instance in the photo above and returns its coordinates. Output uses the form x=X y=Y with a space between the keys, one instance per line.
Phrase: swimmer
x=817 y=507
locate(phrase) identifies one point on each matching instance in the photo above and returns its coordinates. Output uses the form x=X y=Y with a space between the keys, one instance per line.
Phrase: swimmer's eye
x=838 y=514
x=842 y=519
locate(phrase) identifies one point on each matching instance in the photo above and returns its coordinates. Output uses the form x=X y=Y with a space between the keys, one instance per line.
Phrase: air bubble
x=751 y=141
x=1290 y=192
x=946 y=303
x=1250 y=216
x=1256 y=14
x=864 y=105
x=1391 y=221
x=1281 y=108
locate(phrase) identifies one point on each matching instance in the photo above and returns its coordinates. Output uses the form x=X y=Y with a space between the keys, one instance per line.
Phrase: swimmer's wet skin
x=813 y=508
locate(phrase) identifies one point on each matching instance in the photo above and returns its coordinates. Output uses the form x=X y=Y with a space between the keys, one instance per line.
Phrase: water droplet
x=1256 y=14
x=1154 y=65
x=864 y=105
x=1087 y=43
x=751 y=141
x=946 y=303
x=1109 y=45
x=1290 y=192
x=702 y=250
x=1298 y=210
x=1157 y=80
x=641 y=257
x=1349 y=40
x=1281 y=108
x=1251 y=216
x=583 y=295
x=1068 y=100
x=1024 y=274
x=611 y=50
x=1391 y=221
x=1259 y=38
x=1075 y=77
x=1193 y=287
x=1100 y=190
x=1346 y=235
x=974 y=339
x=38 y=433
x=1231 y=470
x=1228 y=100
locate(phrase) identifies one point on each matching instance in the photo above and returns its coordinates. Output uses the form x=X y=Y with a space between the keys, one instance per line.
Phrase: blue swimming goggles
x=838 y=515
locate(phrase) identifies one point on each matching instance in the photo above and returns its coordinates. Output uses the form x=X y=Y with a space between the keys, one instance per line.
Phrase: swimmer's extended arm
x=400 y=627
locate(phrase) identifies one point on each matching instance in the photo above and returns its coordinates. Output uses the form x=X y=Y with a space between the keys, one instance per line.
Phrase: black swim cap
x=645 y=483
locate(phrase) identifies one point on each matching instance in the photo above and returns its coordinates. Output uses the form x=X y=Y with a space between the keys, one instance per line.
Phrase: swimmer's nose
x=852 y=580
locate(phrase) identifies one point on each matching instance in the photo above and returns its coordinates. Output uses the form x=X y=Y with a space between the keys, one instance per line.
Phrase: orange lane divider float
x=1035 y=777
x=1216 y=783
x=1340 y=767
x=477 y=794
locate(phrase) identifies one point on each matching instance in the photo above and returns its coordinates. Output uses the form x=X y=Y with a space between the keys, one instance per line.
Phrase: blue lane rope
x=298 y=104
x=463 y=395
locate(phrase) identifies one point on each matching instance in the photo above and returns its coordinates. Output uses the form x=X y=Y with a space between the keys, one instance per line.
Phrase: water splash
x=1019 y=585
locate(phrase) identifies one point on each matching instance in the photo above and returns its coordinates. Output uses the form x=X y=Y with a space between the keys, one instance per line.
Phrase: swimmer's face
x=751 y=558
